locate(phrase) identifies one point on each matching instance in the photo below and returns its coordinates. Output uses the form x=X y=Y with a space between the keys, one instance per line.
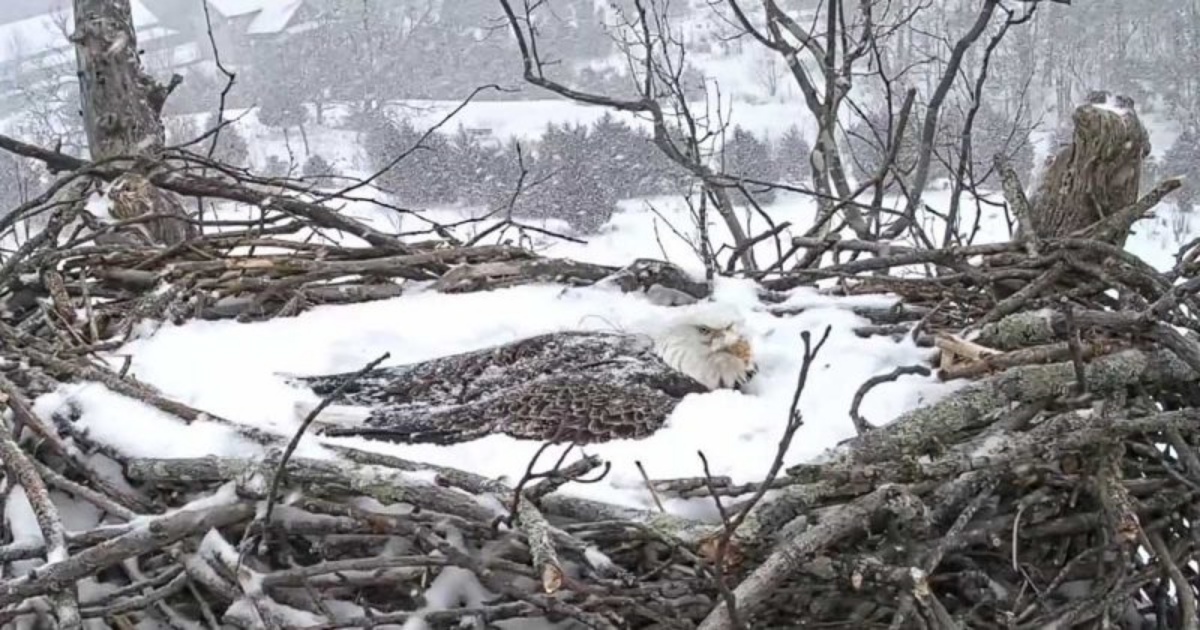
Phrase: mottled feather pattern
x=581 y=387
x=469 y=376
x=564 y=408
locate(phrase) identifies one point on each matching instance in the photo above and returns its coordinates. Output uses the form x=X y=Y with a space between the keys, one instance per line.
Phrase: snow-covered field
x=236 y=370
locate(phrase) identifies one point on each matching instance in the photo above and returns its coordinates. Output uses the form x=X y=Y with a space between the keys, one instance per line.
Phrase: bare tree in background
x=844 y=44
x=657 y=59
x=48 y=104
x=825 y=84
x=122 y=113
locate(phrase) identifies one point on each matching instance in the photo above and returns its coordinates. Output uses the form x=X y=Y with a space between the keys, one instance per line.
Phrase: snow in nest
x=20 y=520
x=234 y=370
x=1113 y=105
x=452 y=587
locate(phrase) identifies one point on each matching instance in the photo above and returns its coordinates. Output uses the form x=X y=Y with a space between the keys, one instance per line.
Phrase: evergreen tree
x=432 y=169
x=869 y=144
x=282 y=87
x=317 y=167
x=793 y=157
x=20 y=180
x=567 y=183
x=231 y=147
x=501 y=175
x=471 y=172
x=282 y=112
x=383 y=141
x=275 y=166
x=180 y=129
x=747 y=156
x=1183 y=159
x=632 y=164
x=992 y=134
x=608 y=142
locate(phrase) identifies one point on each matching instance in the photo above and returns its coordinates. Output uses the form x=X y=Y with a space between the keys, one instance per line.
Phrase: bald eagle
x=579 y=387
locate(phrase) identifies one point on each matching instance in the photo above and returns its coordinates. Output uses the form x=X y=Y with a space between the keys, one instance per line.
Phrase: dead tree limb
x=1097 y=175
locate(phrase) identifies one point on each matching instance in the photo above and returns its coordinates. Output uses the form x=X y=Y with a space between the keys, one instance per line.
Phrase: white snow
x=233 y=370
x=452 y=588
x=598 y=559
x=1113 y=105
x=139 y=430
x=273 y=17
x=235 y=8
x=76 y=515
x=20 y=520
x=36 y=36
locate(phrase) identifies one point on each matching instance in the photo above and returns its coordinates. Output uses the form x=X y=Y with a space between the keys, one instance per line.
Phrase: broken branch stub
x=1097 y=174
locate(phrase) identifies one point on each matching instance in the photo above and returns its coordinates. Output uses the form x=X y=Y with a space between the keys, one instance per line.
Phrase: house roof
x=18 y=10
x=274 y=17
x=46 y=31
x=237 y=8
x=266 y=16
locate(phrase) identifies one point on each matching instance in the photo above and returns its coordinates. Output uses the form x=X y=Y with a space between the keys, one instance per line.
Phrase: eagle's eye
x=704 y=330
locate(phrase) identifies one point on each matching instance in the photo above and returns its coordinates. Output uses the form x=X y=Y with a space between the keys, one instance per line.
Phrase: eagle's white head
x=710 y=345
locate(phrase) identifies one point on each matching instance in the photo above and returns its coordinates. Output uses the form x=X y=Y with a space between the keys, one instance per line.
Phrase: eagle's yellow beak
x=741 y=350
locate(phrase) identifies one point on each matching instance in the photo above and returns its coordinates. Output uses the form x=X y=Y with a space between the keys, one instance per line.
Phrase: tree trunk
x=121 y=104
x=122 y=109
x=1097 y=174
x=304 y=138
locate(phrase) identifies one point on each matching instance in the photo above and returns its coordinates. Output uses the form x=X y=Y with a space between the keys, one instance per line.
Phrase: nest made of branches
x=1055 y=487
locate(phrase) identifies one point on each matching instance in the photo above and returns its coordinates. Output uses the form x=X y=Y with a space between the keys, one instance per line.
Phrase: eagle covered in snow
x=581 y=387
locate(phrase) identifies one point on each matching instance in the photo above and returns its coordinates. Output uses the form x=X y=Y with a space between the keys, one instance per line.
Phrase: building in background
x=36 y=56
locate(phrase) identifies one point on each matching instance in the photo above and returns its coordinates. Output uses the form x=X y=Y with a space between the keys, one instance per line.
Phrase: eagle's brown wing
x=466 y=377
x=579 y=408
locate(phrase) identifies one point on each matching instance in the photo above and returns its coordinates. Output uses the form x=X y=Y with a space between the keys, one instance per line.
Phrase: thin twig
x=861 y=425
x=650 y=487
x=281 y=466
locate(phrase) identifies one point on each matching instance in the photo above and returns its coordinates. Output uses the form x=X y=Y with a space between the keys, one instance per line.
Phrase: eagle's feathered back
x=578 y=387
x=134 y=195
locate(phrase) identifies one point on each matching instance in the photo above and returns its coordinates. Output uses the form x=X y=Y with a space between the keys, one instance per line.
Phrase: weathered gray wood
x=115 y=92
x=843 y=522
x=385 y=485
x=197 y=186
x=1097 y=174
x=19 y=465
x=541 y=545
x=917 y=431
x=122 y=109
x=155 y=533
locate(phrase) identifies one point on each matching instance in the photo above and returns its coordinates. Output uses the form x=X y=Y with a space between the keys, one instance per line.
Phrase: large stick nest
x=1055 y=488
